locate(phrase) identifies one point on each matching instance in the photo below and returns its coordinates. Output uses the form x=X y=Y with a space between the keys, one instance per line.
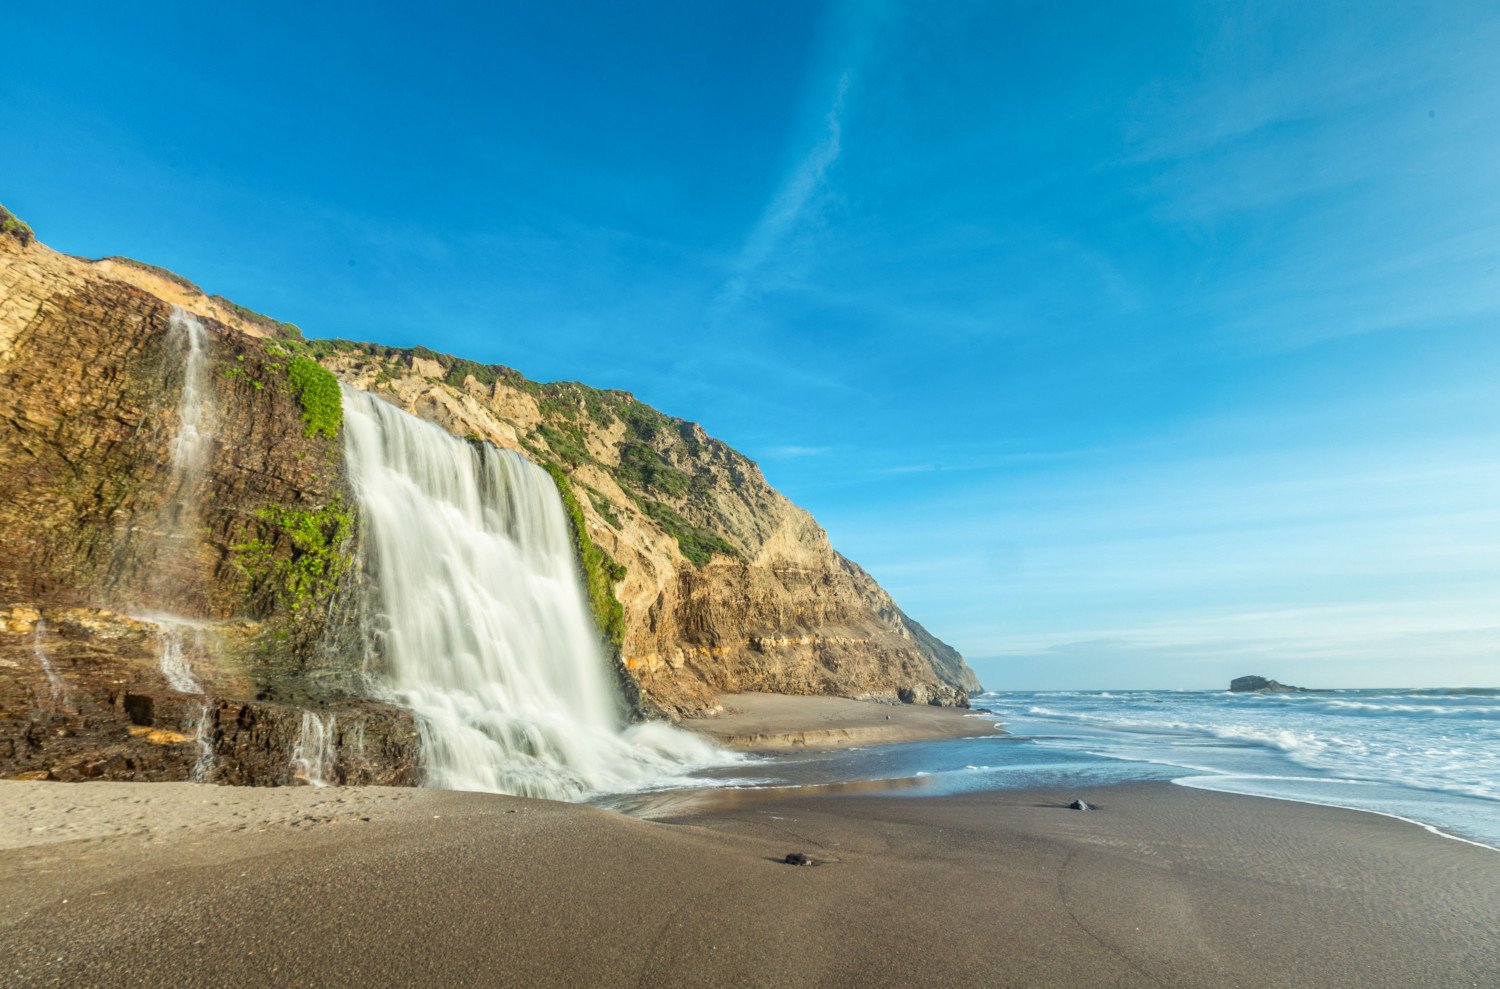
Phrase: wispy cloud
x=786 y=211
x=792 y=452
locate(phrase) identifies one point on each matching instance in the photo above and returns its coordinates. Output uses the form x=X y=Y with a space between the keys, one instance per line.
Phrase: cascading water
x=488 y=636
x=173 y=663
x=55 y=685
x=190 y=448
x=173 y=634
x=313 y=756
x=195 y=413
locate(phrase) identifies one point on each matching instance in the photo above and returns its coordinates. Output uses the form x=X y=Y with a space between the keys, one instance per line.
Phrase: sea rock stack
x=1260 y=685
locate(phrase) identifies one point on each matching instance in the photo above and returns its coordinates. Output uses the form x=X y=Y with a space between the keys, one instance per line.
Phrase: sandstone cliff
x=93 y=539
x=705 y=578
x=726 y=585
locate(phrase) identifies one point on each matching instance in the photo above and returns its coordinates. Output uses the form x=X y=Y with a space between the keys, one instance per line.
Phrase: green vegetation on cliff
x=315 y=559
x=600 y=572
x=661 y=461
x=15 y=227
x=696 y=543
x=318 y=391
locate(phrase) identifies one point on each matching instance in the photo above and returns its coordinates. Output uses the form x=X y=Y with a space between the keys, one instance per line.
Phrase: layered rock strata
x=726 y=585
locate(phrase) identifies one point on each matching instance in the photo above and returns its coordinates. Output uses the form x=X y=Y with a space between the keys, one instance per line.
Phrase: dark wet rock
x=1080 y=805
x=117 y=717
x=798 y=858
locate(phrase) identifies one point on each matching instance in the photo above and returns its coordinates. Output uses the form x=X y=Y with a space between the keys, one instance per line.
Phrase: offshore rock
x=1260 y=685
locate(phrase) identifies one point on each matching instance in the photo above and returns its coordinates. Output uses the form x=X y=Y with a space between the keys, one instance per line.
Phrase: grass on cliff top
x=649 y=451
x=16 y=227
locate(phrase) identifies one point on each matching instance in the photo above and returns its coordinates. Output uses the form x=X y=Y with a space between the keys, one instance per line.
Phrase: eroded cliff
x=704 y=577
x=725 y=584
x=103 y=568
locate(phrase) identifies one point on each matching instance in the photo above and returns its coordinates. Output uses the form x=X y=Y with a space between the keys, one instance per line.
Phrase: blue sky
x=1127 y=347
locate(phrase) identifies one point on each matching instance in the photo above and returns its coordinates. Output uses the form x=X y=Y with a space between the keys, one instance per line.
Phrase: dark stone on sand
x=1260 y=685
x=797 y=858
x=1080 y=805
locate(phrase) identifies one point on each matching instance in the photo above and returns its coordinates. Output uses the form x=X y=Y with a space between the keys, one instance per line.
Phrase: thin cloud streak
x=781 y=218
x=793 y=452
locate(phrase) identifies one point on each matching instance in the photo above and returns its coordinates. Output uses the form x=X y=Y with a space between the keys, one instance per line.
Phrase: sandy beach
x=1161 y=885
x=778 y=722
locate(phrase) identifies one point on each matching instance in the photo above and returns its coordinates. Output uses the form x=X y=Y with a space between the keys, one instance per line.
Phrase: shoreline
x=1162 y=884
x=781 y=722
x=1433 y=829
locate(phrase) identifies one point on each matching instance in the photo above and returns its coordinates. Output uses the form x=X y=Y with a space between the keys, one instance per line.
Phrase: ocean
x=1428 y=756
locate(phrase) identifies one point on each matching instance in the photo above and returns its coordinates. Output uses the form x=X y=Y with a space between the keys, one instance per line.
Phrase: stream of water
x=487 y=633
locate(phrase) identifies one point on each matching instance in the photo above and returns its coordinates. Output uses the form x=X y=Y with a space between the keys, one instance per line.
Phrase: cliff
x=94 y=539
x=725 y=585
x=704 y=577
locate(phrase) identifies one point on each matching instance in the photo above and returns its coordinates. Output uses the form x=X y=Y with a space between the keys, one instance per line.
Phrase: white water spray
x=190 y=447
x=195 y=412
x=313 y=756
x=55 y=685
x=173 y=634
x=488 y=637
x=173 y=663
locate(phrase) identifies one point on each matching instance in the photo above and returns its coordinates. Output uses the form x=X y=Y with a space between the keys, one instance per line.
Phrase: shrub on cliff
x=15 y=226
x=698 y=544
x=600 y=572
x=318 y=390
x=315 y=557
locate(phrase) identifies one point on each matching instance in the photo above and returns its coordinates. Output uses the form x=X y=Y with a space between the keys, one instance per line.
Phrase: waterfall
x=172 y=634
x=488 y=636
x=55 y=685
x=190 y=449
x=314 y=753
x=195 y=412
x=173 y=663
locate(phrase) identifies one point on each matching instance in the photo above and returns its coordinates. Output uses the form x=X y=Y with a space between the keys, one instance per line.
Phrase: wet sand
x=1162 y=885
x=778 y=722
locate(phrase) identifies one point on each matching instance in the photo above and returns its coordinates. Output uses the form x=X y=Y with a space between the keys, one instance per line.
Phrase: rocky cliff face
x=94 y=530
x=726 y=585
x=705 y=577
